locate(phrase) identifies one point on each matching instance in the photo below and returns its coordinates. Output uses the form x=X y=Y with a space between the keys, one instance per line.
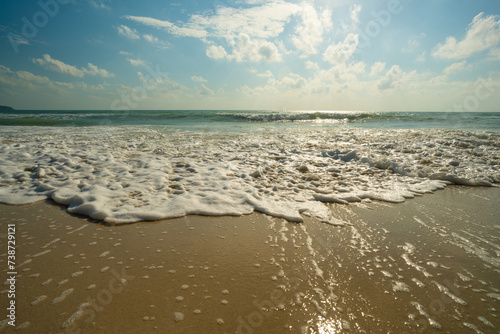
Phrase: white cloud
x=354 y=13
x=482 y=34
x=246 y=49
x=125 y=53
x=204 y=90
x=128 y=32
x=309 y=34
x=58 y=66
x=422 y=57
x=198 y=79
x=30 y=77
x=244 y=32
x=254 y=50
x=377 y=68
x=136 y=62
x=413 y=44
x=391 y=78
x=23 y=80
x=134 y=34
x=216 y=52
x=263 y=21
x=312 y=65
x=290 y=83
x=151 y=38
x=99 y=4
x=266 y=74
x=169 y=26
x=457 y=67
x=344 y=72
x=94 y=70
x=494 y=54
x=341 y=52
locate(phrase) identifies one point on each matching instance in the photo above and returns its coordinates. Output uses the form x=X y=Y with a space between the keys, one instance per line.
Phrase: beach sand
x=431 y=264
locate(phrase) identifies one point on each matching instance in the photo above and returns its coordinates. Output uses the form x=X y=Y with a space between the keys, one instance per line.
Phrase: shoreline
x=434 y=258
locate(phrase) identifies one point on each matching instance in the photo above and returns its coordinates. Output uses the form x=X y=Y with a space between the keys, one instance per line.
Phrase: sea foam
x=130 y=174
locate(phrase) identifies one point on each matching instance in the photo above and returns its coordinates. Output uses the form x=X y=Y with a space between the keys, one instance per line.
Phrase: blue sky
x=251 y=54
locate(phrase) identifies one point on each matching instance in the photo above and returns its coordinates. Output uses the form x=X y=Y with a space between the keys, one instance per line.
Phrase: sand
x=429 y=264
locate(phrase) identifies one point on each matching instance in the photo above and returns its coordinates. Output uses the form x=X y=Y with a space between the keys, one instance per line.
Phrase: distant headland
x=6 y=108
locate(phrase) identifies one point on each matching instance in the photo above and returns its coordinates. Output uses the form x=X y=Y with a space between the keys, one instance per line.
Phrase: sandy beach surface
x=431 y=264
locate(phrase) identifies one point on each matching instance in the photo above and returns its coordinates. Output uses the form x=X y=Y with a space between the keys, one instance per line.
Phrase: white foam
x=47 y=281
x=123 y=175
x=63 y=296
x=423 y=313
x=494 y=295
x=51 y=243
x=42 y=253
x=447 y=292
x=75 y=316
x=104 y=254
x=400 y=286
x=38 y=300
x=486 y=322
x=76 y=274
x=178 y=316
x=473 y=327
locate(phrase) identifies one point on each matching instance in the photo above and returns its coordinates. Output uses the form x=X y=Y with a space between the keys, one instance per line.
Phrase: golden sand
x=429 y=264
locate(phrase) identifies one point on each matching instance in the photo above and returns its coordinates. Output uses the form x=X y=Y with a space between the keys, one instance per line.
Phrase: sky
x=382 y=55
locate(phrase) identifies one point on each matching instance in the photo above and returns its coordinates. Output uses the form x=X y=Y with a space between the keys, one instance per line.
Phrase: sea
x=249 y=120
x=129 y=166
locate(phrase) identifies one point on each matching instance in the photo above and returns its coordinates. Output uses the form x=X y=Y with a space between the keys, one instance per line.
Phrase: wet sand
x=431 y=264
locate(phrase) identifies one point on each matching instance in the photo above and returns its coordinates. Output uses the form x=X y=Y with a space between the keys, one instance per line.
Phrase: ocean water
x=123 y=167
x=246 y=120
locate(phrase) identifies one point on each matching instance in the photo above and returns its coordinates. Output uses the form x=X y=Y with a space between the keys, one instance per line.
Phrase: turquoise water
x=247 y=120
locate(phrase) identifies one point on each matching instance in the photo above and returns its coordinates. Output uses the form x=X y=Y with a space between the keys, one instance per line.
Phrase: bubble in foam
x=64 y=281
x=178 y=316
x=75 y=316
x=494 y=295
x=63 y=296
x=104 y=254
x=486 y=322
x=47 y=281
x=418 y=283
x=76 y=274
x=400 y=286
x=386 y=273
x=38 y=300
x=473 y=327
x=42 y=253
